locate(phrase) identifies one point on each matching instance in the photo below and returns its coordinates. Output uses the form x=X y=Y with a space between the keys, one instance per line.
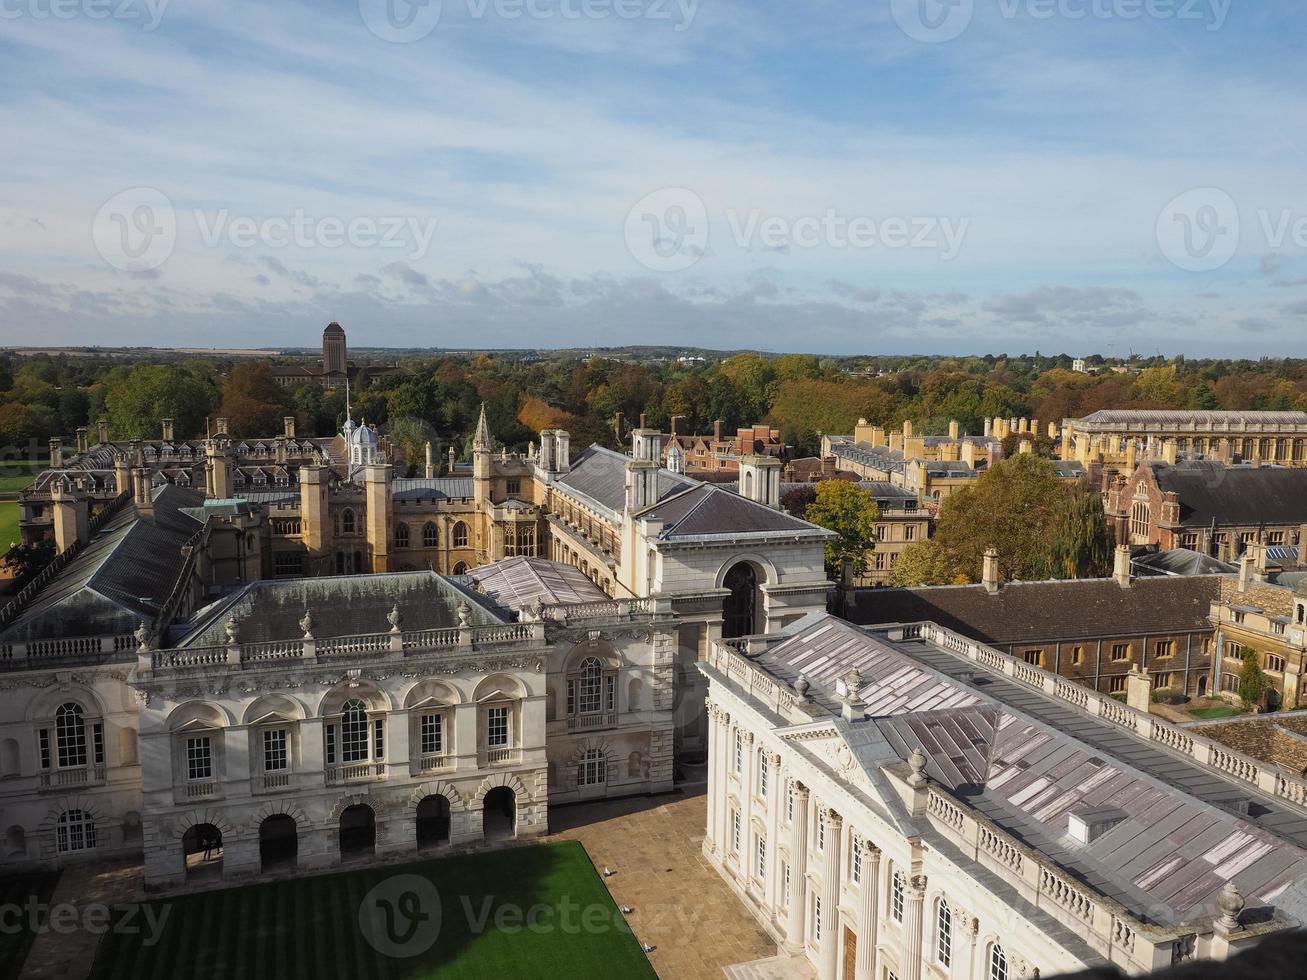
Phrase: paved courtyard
x=682 y=907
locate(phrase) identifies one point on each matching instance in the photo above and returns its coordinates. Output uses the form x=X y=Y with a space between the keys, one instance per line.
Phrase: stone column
x=798 y=870
x=716 y=780
x=775 y=790
x=830 y=898
x=865 y=962
x=742 y=869
x=912 y=925
x=724 y=809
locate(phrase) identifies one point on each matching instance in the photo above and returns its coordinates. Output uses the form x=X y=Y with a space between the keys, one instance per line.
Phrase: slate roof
x=1230 y=496
x=1027 y=760
x=1181 y=561
x=1038 y=612
x=342 y=605
x=708 y=509
x=436 y=488
x=1129 y=416
x=518 y=583
x=600 y=474
x=123 y=576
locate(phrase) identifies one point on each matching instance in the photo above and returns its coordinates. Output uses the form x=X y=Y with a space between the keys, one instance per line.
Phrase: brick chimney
x=288 y=425
x=678 y=427
x=828 y=467
x=717 y=430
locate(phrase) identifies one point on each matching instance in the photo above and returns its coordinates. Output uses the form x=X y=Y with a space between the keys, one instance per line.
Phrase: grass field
x=1217 y=712
x=8 y=524
x=16 y=474
x=530 y=912
x=16 y=889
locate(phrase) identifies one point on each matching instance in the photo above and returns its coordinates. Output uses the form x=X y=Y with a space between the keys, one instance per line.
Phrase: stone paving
x=68 y=955
x=681 y=906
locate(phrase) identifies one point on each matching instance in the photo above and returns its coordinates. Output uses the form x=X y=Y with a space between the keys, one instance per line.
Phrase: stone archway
x=278 y=843
x=202 y=850
x=357 y=827
x=433 y=821
x=499 y=814
x=740 y=608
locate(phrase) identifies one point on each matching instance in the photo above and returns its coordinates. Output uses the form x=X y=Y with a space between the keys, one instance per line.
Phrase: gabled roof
x=1038 y=612
x=600 y=474
x=708 y=509
x=519 y=583
x=1234 y=496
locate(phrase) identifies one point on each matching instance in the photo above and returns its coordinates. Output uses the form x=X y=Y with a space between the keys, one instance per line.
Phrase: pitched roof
x=1235 y=495
x=1036 y=612
x=708 y=509
x=600 y=474
x=1129 y=416
x=518 y=583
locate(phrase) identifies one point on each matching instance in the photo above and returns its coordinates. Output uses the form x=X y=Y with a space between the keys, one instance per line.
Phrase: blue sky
x=882 y=176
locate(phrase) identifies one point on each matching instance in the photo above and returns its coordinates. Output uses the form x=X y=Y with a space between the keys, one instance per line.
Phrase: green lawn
x=16 y=890
x=8 y=524
x=1219 y=711
x=538 y=911
x=17 y=474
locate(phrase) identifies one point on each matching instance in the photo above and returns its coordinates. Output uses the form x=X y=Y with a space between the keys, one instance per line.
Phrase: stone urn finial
x=233 y=631
x=307 y=624
x=801 y=687
x=917 y=763
x=394 y=618
x=142 y=636
x=464 y=614
x=1231 y=903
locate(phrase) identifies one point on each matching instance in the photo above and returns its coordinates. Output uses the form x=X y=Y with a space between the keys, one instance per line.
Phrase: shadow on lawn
x=531 y=911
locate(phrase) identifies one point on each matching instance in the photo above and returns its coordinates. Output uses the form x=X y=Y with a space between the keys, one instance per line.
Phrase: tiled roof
x=343 y=605
x=518 y=583
x=601 y=475
x=1182 y=561
x=1235 y=495
x=436 y=488
x=1037 y=612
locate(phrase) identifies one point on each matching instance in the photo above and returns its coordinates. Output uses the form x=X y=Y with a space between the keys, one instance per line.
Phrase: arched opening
x=460 y=534
x=499 y=814
x=202 y=850
x=460 y=568
x=9 y=755
x=1202 y=686
x=401 y=535
x=358 y=832
x=433 y=821
x=430 y=535
x=739 y=611
x=278 y=843
x=16 y=841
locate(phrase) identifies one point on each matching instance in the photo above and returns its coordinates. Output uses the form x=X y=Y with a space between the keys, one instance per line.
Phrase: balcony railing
x=435 y=762
x=81 y=776
x=202 y=789
x=271 y=782
x=589 y=722
x=355 y=772
x=503 y=757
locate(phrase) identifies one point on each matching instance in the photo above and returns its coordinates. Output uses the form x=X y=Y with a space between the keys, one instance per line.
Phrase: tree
x=851 y=512
x=252 y=401
x=1081 y=545
x=1252 y=682
x=139 y=399
x=795 y=501
x=924 y=563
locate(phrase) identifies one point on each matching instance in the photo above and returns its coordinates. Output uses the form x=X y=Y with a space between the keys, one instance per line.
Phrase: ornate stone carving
x=394 y=618
x=307 y=624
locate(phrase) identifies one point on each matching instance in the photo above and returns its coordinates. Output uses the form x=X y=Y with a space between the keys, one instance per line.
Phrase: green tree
x=138 y=400
x=1252 y=681
x=1081 y=544
x=252 y=401
x=924 y=563
x=851 y=512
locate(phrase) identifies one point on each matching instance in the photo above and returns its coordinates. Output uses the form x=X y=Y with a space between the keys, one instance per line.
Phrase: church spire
x=482 y=441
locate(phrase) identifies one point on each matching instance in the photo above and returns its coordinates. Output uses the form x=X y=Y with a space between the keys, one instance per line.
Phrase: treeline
x=437 y=399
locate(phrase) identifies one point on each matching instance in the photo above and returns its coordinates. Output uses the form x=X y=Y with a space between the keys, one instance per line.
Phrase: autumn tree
x=1081 y=542
x=252 y=401
x=851 y=512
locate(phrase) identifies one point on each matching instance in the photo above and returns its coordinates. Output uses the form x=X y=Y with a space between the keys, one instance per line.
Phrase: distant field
x=16 y=474
x=460 y=918
x=8 y=524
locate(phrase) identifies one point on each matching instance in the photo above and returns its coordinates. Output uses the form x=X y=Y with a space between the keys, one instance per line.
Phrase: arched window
x=347 y=521
x=354 y=731
x=460 y=535
x=430 y=536
x=944 y=934
x=70 y=735
x=460 y=568
x=997 y=963
x=898 y=885
x=75 y=831
x=401 y=535
x=590 y=695
x=593 y=769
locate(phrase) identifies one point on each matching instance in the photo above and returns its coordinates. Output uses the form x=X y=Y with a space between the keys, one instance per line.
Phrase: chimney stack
x=103 y=425
x=167 y=430
x=562 y=451
x=288 y=426
x=430 y=469
x=1121 y=566
x=56 y=452
x=453 y=458
x=646 y=444
x=954 y=429
x=222 y=425
x=678 y=425
x=989 y=571
x=82 y=440
x=760 y=480
x=1245 y=571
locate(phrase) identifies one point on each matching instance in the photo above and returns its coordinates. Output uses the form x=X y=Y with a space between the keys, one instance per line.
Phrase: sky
x=883 y=176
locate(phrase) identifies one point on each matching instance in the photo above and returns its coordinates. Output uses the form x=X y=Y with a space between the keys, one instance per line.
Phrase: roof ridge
x=707 y=487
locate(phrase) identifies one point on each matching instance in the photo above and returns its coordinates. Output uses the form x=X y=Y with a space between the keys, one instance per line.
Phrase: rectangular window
x=739 y=752
x=571 y=697
x=1115 y=685
x=497 y=727
x=1163 y=649
x=1120 y=651
x=735 y=831
x=762 y=857
x=331 y=745
x=1275 y=663
x=789 y=805
x=1077 y=656
x=199 y=758
x=762 y=774
x=610 y=693
x=855 y=869
x=816 y=918
x=513 y=487
x=897 y=886
x=97 y=743
x=909 y=533
x=432 y=735
x=821 y=830
x=43 y=739
x=1034 y=657
x=288 y=563
x=785 y=891
x=378 y=740
x=276 y=758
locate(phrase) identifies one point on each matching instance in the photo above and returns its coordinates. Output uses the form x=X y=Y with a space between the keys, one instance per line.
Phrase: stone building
x=331 y=373
x=1120 y=437
x=1267 y=621
x=1208 y=507
x=905 y=802
x=1093 y=631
